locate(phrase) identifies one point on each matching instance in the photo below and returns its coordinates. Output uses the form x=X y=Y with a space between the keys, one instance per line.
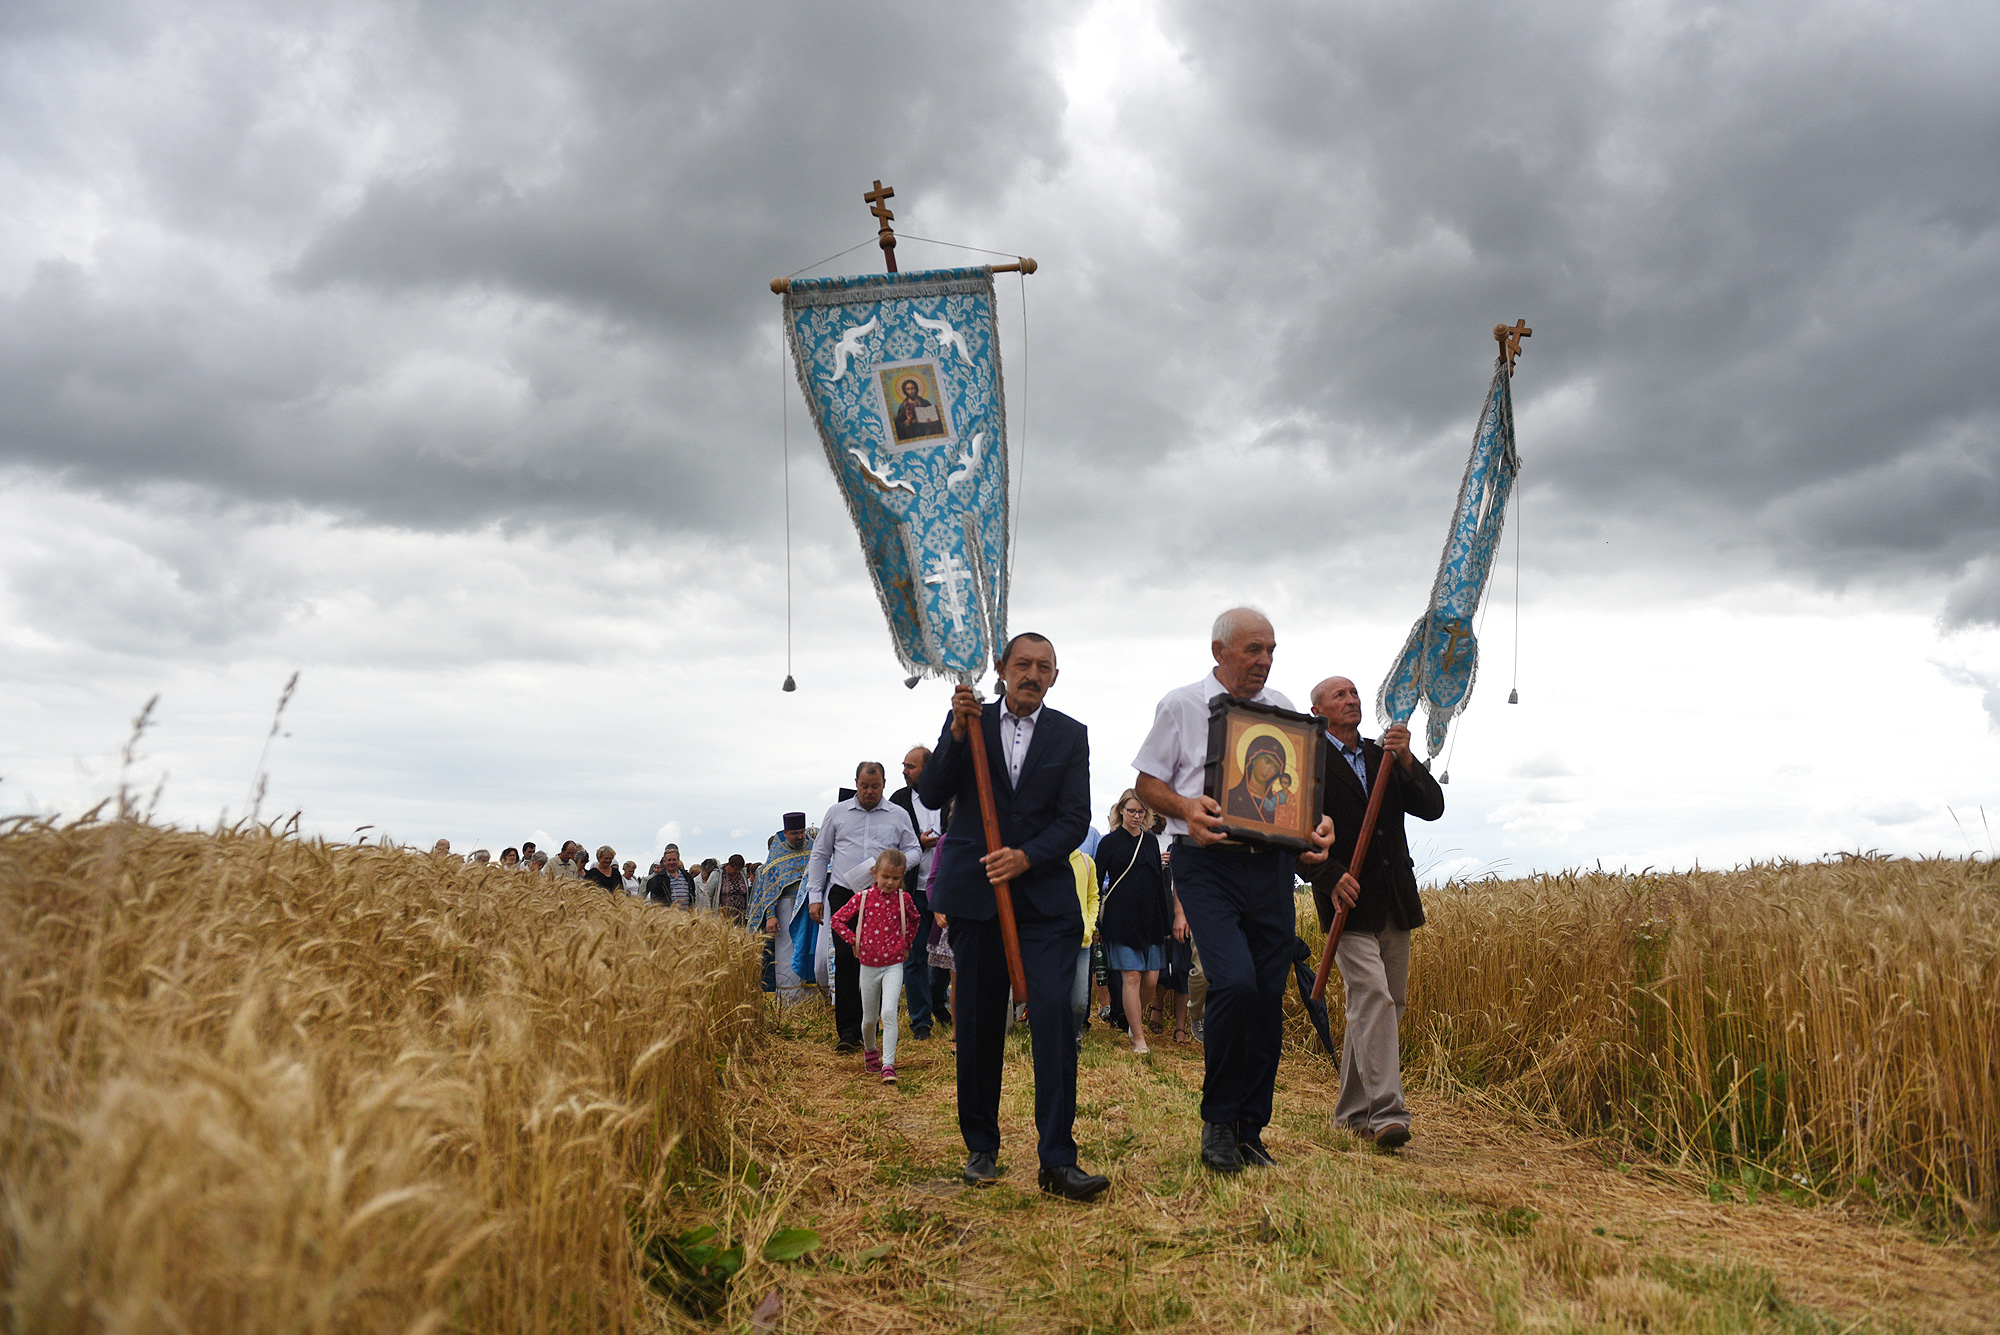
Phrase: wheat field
x=1830 y=1029
x=255 y=1083
x=259 y=1083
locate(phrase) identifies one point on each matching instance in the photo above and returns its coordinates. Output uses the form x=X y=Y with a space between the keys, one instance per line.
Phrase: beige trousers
x=1375 y=967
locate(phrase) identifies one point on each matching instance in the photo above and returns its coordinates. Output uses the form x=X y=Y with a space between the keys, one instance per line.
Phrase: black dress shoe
x=921 y=1033
x=1072 y=1183
x=1218 y=1147
x=981 y=1170
x=847 y=1047
x=1250 y=1149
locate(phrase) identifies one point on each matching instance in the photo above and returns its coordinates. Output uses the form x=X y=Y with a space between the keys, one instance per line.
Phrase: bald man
x=1374 y=951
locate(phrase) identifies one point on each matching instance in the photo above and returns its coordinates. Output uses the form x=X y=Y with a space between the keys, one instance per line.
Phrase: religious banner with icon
x=902 y=371
x=1264 y=771
x=1440 y=659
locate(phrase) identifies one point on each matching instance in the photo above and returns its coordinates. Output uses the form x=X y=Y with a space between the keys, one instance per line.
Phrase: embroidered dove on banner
x=946 y=336
x=849 y=346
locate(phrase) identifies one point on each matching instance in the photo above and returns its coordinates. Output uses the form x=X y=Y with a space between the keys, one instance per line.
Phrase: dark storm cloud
x=1759 y=239
x=461 y=262
x=545 y=297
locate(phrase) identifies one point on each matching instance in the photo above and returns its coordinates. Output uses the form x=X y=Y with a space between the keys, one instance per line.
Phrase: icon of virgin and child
x=1267 y=784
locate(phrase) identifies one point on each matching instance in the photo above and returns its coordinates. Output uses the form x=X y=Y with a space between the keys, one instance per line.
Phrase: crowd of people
x=710 y=885
x=974 y=906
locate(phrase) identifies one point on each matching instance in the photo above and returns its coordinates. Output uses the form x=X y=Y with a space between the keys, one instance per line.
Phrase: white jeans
x=881 y=992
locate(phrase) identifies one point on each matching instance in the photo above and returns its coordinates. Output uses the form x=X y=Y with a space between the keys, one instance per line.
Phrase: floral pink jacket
x=886 y=926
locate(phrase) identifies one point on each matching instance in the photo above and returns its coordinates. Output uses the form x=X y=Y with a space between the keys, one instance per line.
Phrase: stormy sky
x=428 y=350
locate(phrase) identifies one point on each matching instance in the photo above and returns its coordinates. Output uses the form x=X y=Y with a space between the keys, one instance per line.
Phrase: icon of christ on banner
x=913 y=404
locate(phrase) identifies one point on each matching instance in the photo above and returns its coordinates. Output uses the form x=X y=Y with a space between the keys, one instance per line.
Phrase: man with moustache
x=1038 y=762
x=1237 y=897
x=1374 y=950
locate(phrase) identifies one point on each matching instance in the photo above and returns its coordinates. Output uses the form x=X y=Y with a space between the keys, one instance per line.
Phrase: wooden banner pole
x=1382 y=776
x=1003 y=897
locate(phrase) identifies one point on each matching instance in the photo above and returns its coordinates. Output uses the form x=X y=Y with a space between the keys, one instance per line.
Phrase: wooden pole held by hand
x=1003 y=898
x=1382 y=774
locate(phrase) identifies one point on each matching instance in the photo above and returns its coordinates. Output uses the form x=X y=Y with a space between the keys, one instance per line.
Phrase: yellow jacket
x=1086 y=892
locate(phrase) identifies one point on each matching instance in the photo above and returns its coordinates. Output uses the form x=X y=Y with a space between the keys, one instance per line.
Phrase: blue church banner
x=1440 y=659
x=902 y=372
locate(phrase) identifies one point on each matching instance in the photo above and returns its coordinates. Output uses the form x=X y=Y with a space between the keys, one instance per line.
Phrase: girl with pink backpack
x=881 y=923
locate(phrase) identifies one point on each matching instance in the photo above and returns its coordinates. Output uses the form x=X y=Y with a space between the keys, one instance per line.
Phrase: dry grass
x=1826 y=1028
x=250 y=1083
x=1487 y=1222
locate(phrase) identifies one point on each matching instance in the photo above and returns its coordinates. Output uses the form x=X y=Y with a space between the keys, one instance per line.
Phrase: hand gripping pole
x=1382 y=777
x=1003 y=897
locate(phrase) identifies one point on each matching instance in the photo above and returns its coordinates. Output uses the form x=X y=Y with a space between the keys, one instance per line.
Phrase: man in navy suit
x=1039 y=764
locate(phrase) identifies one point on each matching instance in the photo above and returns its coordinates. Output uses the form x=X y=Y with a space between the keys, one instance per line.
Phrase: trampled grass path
x=1487 y=1221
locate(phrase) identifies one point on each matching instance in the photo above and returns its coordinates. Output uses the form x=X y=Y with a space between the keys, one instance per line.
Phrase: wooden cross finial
x=1509 y=338
x=877 y=201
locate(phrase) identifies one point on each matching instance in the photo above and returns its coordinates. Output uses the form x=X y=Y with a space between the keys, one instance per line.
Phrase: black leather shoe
x=981 y=1170
x=1250 y=1149
x=1218 y=1147
x=920 y=1033
x=1072 y=1183
x=1392 y=1137
x=847 y=1047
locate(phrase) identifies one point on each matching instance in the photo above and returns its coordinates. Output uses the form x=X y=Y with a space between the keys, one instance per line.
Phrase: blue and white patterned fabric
x=1440 y=659
x=902 y=371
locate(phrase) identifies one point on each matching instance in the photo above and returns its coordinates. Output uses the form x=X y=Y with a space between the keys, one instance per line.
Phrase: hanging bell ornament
x=1445 y=777
x=790 y=685
x=1514 y=697
x=910 y=683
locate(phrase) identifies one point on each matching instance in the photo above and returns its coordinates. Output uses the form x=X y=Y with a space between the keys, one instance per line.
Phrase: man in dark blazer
x=1039 y=764
x=918 y=984
x=1374 y=951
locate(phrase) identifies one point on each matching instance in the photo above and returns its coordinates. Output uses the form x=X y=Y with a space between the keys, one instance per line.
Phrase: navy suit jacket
x=1045 y=817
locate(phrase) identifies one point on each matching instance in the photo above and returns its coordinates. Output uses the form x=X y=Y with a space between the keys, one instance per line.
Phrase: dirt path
x=1485 y=1222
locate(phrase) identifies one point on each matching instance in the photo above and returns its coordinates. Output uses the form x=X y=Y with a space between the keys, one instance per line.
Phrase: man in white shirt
x=1237 y=896
x=843 y=861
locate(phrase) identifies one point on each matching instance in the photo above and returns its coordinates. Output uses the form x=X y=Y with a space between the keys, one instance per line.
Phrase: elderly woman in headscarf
x=732 y=890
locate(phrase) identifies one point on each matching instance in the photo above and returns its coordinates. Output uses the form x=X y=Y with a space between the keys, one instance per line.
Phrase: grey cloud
x=1756 y=237
x=1975 y=599
x=544 y=299
x=474 y=263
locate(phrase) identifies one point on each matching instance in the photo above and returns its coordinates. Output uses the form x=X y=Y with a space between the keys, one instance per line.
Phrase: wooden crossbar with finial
x=1508 y=336
x=877 y=202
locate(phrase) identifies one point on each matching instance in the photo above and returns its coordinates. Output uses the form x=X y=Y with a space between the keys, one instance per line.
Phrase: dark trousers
x=846 y=973
x=917 y=969
x=941 y=995
x=1048 y=958
x=770 y=963
x=1238 y=902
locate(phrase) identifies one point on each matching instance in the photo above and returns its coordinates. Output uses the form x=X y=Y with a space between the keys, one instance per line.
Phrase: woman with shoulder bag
x=1130 y=915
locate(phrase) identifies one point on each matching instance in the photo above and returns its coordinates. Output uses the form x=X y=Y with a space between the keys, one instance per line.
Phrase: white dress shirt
x=927 y=820
x=1176 y=751
x=850 y=837
x=1016 y=734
